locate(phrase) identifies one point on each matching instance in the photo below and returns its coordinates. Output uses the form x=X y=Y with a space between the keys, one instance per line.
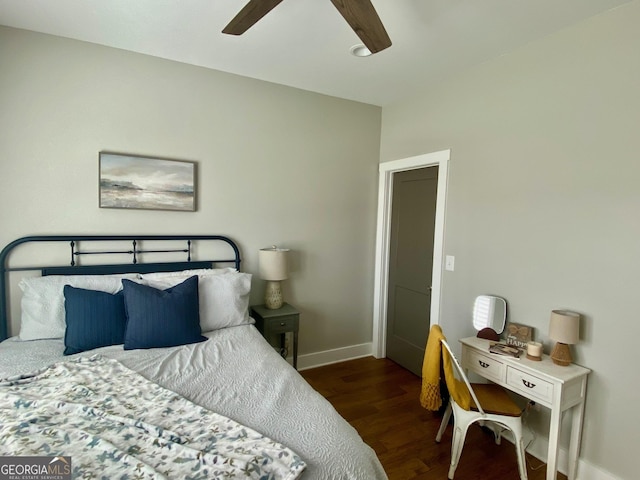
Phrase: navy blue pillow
x=94 y=319
x=161 y=318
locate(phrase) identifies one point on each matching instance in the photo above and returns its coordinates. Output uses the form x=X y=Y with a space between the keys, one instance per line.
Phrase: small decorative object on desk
x=488 y=334
x=534 y=351
x=518 y=335
x=504 y=349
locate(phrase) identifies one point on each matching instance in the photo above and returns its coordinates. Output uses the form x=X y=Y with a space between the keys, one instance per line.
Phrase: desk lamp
x=564 y=328
x=273 y=269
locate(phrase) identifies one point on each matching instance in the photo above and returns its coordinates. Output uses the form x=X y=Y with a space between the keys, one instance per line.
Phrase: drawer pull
x=528 y=384
x=483 y=364
x=282 y=324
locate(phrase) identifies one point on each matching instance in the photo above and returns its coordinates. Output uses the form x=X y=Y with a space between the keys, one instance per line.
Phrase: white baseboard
x=327 y=357
x=586 y=470
x=539 y=449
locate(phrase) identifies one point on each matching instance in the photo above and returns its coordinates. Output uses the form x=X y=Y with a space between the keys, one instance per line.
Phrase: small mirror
x=489 y=312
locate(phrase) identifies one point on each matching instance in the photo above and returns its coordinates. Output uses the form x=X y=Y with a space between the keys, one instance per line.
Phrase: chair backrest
x=459 y=372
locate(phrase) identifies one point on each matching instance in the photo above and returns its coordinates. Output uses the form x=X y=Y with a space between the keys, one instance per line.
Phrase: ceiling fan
x=359 y=14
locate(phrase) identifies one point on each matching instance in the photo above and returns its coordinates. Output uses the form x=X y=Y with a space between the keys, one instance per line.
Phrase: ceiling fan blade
x=364 y=20
x=249 y=15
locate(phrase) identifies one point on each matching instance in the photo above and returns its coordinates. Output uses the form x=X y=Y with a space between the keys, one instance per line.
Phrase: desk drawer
x=487 y=366
x=530 y=386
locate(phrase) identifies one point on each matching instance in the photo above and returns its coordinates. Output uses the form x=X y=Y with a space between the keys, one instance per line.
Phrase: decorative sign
x=518 y=335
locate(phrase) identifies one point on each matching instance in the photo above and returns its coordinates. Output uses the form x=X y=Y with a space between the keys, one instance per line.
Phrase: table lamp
x=564 y=328
x=273 y=269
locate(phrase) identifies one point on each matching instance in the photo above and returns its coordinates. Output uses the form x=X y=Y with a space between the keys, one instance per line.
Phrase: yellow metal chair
x=487 y=403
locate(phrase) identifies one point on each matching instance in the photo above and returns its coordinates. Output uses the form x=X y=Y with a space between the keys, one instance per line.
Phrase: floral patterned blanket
x=116 y=424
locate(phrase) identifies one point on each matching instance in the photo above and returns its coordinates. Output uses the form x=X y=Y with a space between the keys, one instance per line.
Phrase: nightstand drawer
x=282 y=324
x=487 y=366
x=529 y=385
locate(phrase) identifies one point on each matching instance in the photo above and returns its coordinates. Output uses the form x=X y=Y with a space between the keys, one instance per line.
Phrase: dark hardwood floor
x=380 y=400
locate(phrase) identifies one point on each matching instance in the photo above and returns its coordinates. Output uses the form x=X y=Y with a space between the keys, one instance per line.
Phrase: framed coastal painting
x=149 y=183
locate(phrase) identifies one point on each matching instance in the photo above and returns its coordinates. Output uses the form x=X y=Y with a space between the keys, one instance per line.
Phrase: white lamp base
x=273 y=295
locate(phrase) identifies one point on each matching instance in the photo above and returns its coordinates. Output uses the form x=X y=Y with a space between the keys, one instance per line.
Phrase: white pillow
x=224 y=299
x=43 y=301
x=187 y=273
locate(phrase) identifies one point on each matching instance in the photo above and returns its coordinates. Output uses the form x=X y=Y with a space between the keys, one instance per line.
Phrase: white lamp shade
x=564 y=326
x=273 y=263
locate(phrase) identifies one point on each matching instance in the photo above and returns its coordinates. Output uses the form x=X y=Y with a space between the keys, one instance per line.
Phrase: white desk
x=557 y=388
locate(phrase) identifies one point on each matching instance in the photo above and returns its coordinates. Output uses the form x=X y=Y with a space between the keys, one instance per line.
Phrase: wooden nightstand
x=281 y=321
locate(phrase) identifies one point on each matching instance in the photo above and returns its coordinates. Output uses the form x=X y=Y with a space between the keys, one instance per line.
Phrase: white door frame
x=381 y=278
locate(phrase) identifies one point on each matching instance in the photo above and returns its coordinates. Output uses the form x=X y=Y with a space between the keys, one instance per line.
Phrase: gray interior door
x=410 y=265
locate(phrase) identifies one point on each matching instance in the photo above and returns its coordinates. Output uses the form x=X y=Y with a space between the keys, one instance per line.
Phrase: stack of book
x=504 y=349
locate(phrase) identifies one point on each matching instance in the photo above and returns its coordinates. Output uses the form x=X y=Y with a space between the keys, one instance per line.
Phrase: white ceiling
x=305 y=43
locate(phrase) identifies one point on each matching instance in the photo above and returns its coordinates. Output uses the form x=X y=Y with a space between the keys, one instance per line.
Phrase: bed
x=222 y=404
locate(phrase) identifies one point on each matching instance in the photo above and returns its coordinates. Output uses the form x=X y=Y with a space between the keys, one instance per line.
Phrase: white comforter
x=237 y=374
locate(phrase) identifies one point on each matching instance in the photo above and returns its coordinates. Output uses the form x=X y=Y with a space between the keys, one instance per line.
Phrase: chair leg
x=518 y=441
x=444 y=423
x=497 y=431
x=459 y=434
x=522 y=462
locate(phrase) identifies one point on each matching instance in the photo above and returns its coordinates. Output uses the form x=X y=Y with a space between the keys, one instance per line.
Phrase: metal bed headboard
x=136 y=265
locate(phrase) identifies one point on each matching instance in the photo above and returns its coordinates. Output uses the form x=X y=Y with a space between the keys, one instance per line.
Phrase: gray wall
x=544 y=200
x=542 y=204
x=276 y=165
